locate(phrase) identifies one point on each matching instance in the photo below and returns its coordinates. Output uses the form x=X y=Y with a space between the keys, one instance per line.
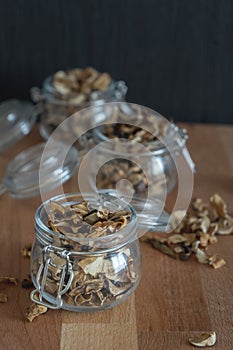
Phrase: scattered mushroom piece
x=204 y=339
x=26 y=251
x=3 y=297
x=34 y=311
x=216 y=262
x=12 y=280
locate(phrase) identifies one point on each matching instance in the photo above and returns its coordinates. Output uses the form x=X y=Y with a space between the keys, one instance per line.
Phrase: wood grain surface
x=174 y=299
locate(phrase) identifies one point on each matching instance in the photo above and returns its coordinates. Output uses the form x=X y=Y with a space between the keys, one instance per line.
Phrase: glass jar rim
x=169 y=144
x=109 y=242
x=48 y=92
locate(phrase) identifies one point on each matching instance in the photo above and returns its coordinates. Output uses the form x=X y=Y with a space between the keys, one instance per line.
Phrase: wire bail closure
x=66 y=277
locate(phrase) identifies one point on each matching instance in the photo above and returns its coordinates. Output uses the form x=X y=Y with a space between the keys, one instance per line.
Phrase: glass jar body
x=117 y=278
x=147 y=172
x=82 y=279
x=138 y=145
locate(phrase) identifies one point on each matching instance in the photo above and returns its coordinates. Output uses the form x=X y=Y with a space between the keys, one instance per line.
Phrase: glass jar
x=143 y=151
x=82 y=273
x=55 y=109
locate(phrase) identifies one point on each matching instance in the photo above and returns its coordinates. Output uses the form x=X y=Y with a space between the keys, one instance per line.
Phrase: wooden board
x=173 y=300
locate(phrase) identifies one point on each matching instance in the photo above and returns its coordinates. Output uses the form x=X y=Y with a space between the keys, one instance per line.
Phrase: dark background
x=175 y=55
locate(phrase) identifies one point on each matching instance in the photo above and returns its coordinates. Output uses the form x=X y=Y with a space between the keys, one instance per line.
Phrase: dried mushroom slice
x=102 y=82
x=118 y=288
x=176 y=238
x=177 y=216
x=199 y=207
x=225 y=226
x=162 y=247
x=92 y=266
x=82 y=299
x=26 y=251
x=80 y=208
x=3 y=296
x=204 y=339
x=201 y=256
x=219 y=206
x=12 y=280
x=216 y=262
x=35 y=310
x=78 y=279
x=56 y=208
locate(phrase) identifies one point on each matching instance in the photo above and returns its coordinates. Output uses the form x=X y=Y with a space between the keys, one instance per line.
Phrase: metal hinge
x=39 y=295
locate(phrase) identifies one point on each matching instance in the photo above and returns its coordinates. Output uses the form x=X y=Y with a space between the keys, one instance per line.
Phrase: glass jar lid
x=16 y=120
x=29 y=174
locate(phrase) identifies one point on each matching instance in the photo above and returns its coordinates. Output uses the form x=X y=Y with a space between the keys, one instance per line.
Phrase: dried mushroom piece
x=12 y=280
x=219 y=206
x=204 y=339
x=225 y=226
x=162 y=247
x=216 y=262
x=6 y=280
x=201 y=256
x=196 y=232
x=3 y=296
x=35 y=310
x=26 y=251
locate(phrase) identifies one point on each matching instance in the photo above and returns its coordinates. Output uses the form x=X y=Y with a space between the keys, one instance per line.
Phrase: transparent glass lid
x=29 y=174
x=16 y=120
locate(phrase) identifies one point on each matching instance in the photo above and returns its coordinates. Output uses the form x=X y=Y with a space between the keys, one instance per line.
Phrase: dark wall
x=175 y=55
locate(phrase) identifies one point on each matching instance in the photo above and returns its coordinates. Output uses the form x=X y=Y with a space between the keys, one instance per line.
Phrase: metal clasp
x=50 y=255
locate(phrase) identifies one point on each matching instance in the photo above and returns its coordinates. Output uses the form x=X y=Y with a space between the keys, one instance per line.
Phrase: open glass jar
x=86 y=255
x=137 y=144
x=67 y=92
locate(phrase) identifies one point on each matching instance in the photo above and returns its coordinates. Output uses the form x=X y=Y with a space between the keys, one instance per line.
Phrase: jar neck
x=173 y=142
x=116 y=92
x=77 y=245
